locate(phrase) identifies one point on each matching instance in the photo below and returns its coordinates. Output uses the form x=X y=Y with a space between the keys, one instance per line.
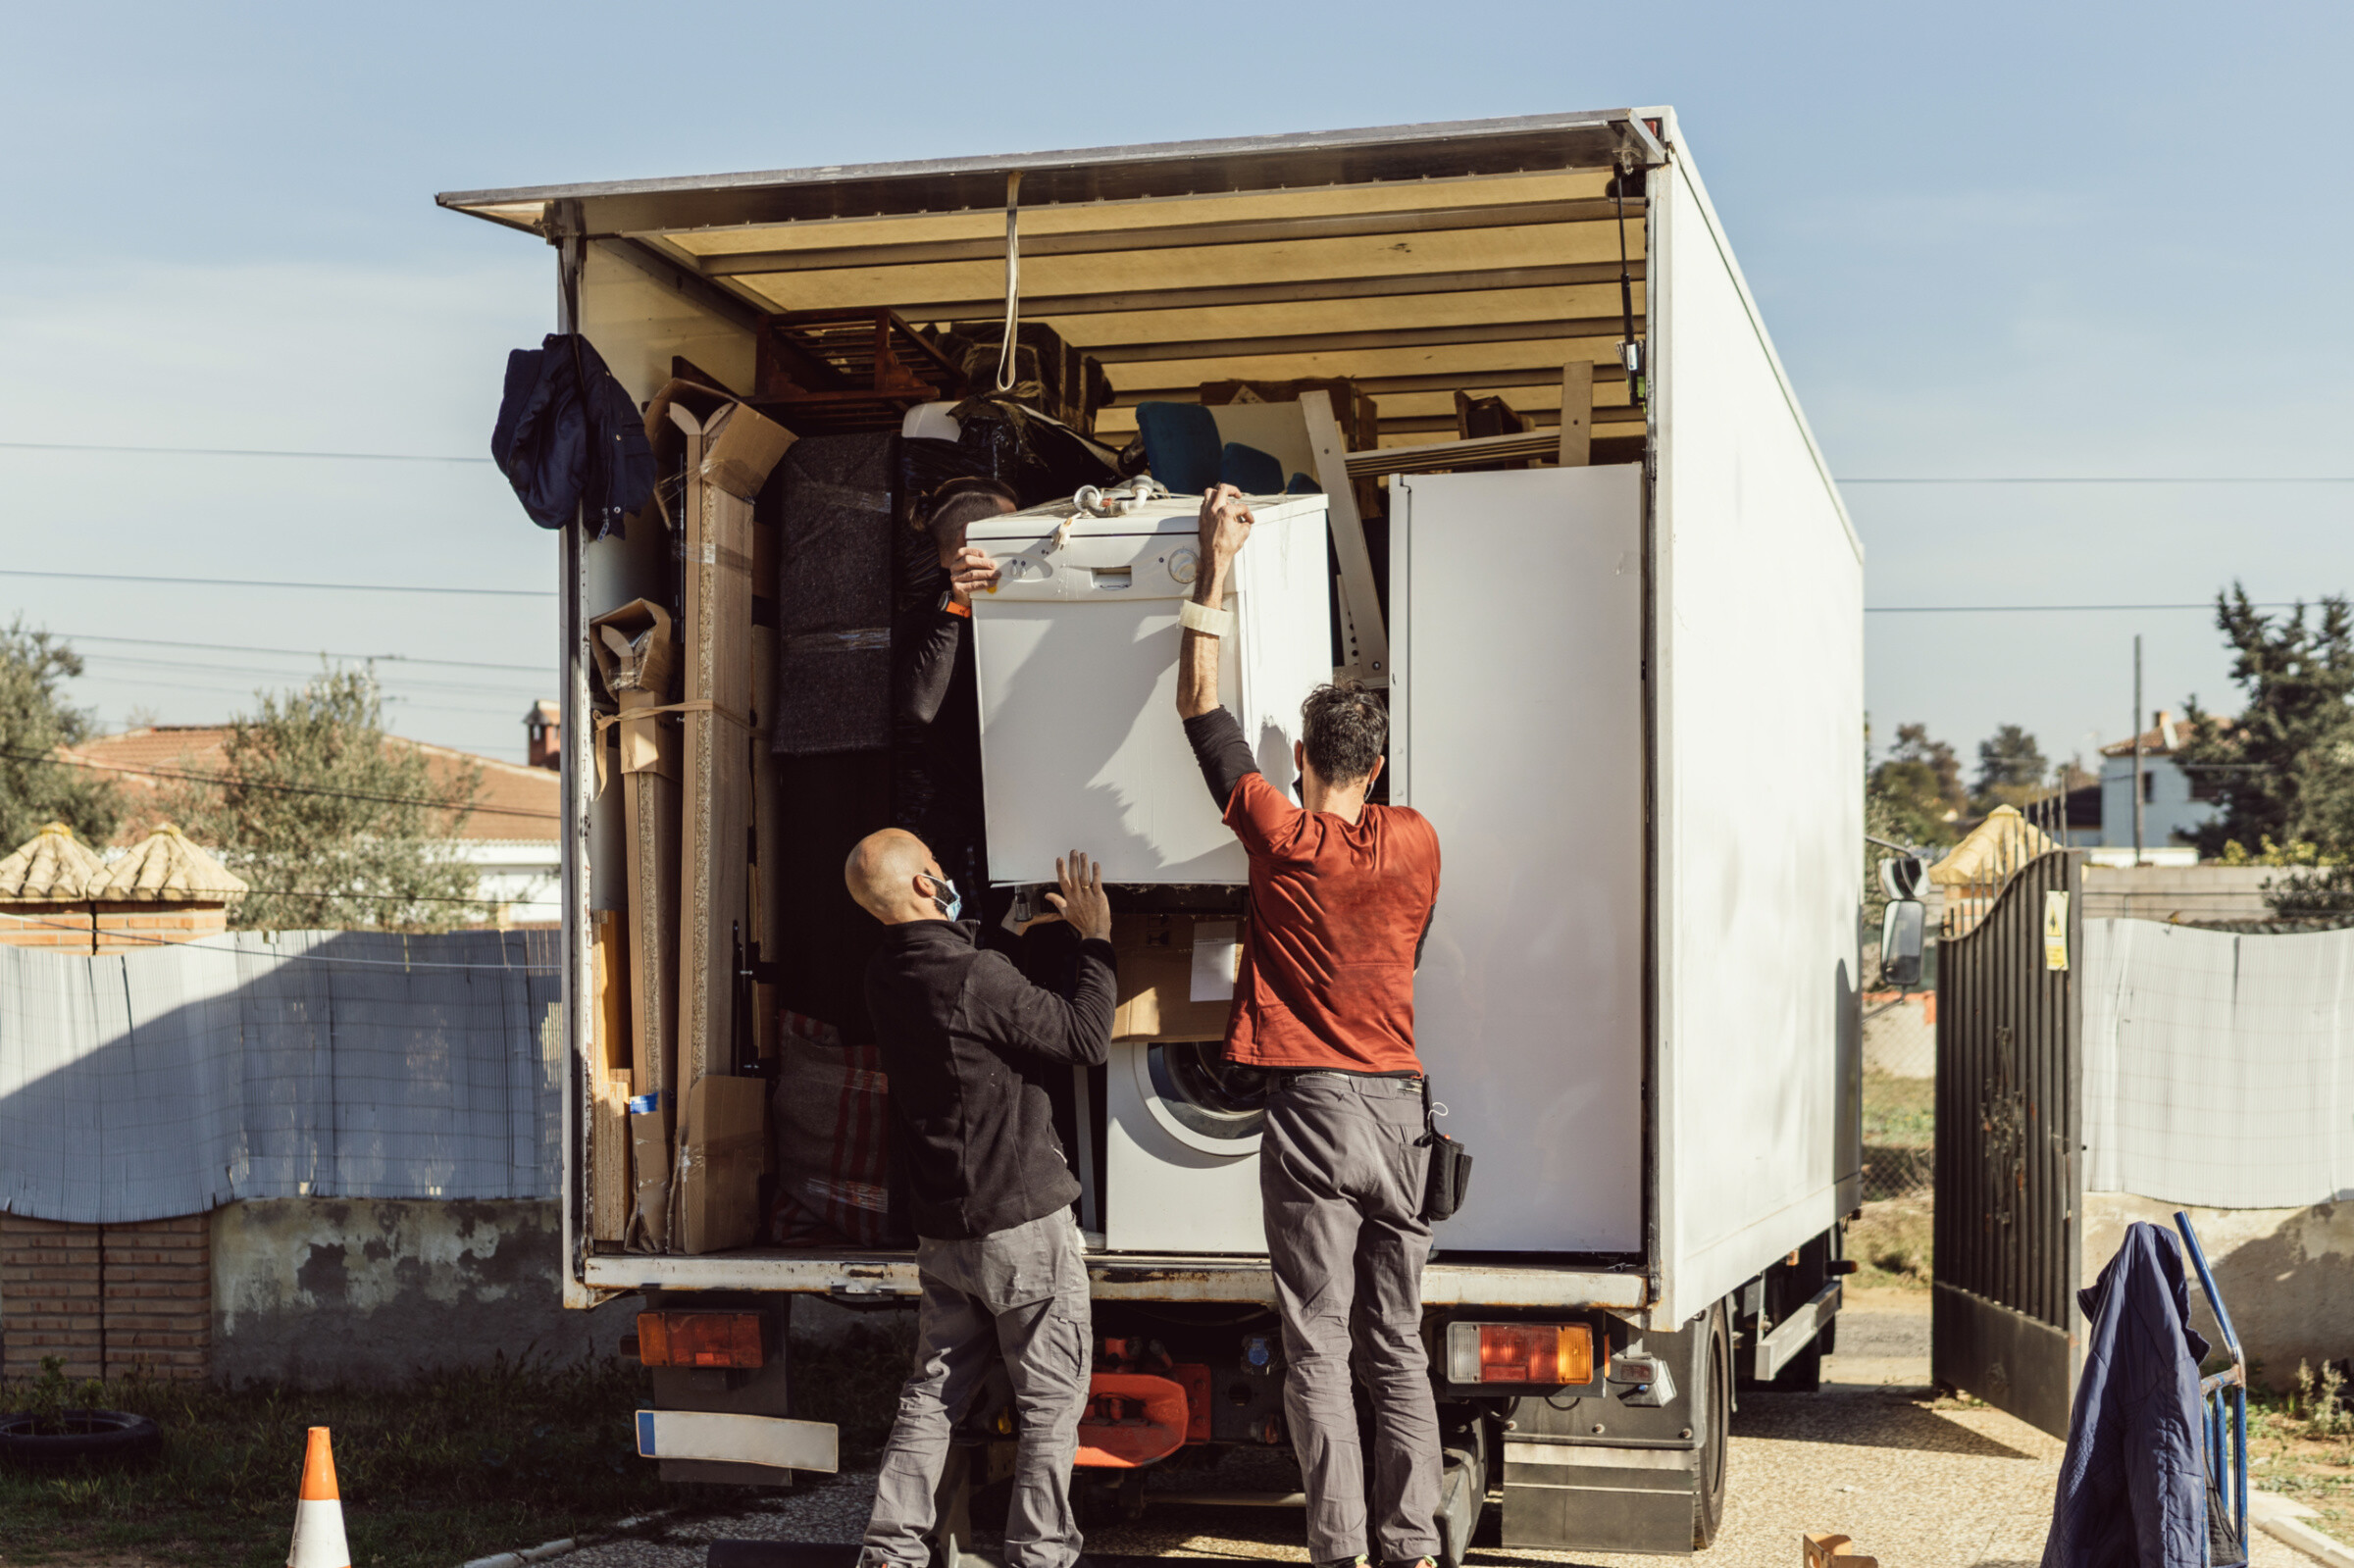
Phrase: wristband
x=950 y=606
x=1205 y=620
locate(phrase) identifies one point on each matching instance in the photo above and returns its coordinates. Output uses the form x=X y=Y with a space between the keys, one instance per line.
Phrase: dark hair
x=963 y=499
x=1344 y=730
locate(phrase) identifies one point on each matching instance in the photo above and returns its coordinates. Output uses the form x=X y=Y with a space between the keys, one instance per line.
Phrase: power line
x=254 y=582
x=2115 y=479
x=237 y=451
x=2004 y=609
x=228 y=780
x=308 y=653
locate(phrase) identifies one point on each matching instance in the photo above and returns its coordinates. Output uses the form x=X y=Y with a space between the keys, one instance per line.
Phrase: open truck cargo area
x=1544 y=484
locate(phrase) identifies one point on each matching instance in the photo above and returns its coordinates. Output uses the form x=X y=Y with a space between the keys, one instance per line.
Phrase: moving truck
x=1622 y=637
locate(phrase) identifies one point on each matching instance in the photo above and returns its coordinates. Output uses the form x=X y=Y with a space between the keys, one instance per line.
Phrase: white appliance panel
x=1516 y=728
x=1076 y=655
x=1171 y=1188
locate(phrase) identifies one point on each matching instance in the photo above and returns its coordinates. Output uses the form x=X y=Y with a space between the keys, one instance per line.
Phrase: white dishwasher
x=1076 y=659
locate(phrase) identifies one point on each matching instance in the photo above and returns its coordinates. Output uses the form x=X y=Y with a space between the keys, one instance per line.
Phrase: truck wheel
x=1714 y=1402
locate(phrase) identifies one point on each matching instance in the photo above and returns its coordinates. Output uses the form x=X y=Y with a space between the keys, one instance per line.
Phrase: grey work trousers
x=1020 y=1293
x=1340 y=1173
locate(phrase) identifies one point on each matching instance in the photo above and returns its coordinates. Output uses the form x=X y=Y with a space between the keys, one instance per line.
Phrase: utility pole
x=2137 y=748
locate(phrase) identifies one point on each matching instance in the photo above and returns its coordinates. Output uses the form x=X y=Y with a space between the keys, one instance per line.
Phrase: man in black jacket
x=969 y=1042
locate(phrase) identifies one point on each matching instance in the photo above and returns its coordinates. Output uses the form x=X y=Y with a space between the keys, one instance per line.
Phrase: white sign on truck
x=1622 y=637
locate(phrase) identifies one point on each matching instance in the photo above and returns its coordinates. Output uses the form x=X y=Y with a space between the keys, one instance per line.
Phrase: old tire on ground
x=1713 y=1405
x=100 y=1436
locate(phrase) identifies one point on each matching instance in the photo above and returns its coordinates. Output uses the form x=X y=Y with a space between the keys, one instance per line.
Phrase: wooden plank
x=1175 y=236
x=1451 y=454
x=1361 y=605
x=1469 y=333
x=1577 y=411
x=715 y=771
x=1046 y=306
x=1468 y=381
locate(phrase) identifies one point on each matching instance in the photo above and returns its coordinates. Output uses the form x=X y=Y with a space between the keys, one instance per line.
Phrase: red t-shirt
x=1337 y=910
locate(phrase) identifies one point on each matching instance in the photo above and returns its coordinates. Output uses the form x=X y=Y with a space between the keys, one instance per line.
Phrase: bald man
x=969 y=1042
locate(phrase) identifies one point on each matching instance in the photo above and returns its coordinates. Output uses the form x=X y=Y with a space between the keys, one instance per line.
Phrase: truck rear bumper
x=1115 y=1277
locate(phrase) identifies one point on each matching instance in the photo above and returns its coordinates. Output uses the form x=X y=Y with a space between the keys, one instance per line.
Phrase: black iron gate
x=2009 y=1225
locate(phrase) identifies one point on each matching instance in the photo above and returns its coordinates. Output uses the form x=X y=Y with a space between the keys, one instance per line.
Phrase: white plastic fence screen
x=167 y=1081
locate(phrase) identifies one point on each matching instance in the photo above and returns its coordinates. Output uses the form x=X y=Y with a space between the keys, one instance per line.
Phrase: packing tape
x=606 y=721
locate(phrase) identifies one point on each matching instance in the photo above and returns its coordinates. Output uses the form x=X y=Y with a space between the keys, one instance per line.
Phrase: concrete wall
x=317 y=1290
x=2287 y=1275
x=2171 y=892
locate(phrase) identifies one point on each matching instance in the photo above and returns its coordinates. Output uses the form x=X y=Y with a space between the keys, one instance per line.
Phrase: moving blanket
x=834 y=595
x=168 y=1081
x=2134 y=1485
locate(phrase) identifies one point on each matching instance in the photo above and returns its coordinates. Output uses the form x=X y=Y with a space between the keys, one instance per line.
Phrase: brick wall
x=86 y=928
x=125 y=926
x=106 y=1298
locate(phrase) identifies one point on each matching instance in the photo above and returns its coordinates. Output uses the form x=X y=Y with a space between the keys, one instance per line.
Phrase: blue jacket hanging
x=2132 y=1488
x=566 y=453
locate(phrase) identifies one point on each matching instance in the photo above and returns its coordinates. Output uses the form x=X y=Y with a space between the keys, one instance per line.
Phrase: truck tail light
x=699 y=1339
x=1551 y=1354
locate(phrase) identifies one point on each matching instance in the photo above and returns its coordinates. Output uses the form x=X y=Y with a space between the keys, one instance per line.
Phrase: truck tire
x=1462 y=1494
x=1713 y=1405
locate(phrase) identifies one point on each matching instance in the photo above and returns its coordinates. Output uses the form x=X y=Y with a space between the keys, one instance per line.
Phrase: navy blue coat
x=568 y=433
x=2133 y=1487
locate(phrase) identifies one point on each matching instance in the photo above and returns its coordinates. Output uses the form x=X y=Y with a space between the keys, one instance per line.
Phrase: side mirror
x=1903 y=876
x=1904 y=932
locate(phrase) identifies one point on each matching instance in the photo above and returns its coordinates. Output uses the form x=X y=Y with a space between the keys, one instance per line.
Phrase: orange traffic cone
x=318 y=1517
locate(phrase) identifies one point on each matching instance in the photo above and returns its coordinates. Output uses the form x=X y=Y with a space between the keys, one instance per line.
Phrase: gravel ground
x=1918 y=1483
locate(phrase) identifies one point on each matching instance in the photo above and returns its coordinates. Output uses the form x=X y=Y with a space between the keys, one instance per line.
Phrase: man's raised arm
x=1217 y=739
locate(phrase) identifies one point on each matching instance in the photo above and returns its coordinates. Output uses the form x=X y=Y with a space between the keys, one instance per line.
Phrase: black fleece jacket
x=969 y=1042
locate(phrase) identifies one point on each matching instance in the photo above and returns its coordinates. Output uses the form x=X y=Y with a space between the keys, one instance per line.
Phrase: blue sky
x=1998 y=240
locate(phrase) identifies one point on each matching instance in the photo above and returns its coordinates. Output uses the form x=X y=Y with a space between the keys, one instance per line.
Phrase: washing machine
x=1181 y=1150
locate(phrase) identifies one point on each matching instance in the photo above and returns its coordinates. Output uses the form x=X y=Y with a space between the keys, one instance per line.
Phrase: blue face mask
x=945 y=894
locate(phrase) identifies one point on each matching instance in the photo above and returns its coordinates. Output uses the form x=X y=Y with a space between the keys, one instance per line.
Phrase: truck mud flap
x=1601 y=1474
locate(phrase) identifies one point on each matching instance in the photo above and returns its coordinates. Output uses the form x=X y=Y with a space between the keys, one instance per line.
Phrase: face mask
x=945 y=894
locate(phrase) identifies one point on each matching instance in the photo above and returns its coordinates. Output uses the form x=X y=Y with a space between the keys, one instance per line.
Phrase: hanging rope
x=1630 y=351
x=1013 y=278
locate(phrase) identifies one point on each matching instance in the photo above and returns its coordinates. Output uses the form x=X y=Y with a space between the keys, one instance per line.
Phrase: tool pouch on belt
x=1449 y=1164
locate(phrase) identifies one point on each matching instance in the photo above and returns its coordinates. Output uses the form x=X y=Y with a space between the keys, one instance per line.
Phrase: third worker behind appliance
x=1341 y=896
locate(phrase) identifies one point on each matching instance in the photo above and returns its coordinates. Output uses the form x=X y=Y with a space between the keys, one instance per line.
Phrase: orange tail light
x=701 y=1340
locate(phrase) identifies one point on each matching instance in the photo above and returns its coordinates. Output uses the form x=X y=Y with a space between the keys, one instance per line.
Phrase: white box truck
x=1622 y=642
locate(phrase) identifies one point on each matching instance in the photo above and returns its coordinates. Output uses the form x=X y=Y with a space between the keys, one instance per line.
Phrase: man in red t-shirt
x=1341 y=895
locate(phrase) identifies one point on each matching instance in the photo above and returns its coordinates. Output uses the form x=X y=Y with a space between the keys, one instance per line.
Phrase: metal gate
x=2008 y=1215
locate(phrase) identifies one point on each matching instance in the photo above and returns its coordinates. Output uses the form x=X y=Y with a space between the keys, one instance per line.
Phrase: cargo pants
x=1341 y=1173
x=1021 y=1293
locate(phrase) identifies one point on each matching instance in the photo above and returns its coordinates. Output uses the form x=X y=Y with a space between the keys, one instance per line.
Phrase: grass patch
x=2305 y=1451
x=1900 y=1112
x=1893 y=1243
x=854 y=1381
x=433 y=1471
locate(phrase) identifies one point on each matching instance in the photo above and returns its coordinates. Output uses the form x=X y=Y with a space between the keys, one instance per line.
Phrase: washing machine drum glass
x=1206 y=1092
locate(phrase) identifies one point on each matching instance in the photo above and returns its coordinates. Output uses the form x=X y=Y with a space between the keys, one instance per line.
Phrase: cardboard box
x=739 y=445
x=649 y=1229
x=609 y=1085
x=719 y=1163
x=636 y=659
x=715 y=780
x=1168 y=964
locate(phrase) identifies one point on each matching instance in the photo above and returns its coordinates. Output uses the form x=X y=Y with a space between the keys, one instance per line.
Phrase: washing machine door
x=1201 y=1100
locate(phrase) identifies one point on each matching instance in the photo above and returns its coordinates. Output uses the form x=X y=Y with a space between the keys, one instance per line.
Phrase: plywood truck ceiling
x=1418 y=260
